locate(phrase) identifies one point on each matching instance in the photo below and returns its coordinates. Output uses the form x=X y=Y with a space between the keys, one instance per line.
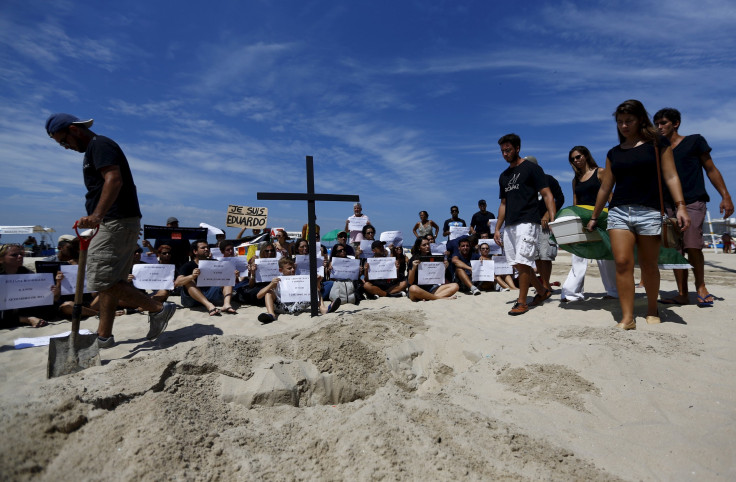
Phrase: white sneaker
x=474 y=291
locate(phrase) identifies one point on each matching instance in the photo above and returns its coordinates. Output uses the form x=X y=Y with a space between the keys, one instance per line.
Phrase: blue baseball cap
x=57 y=122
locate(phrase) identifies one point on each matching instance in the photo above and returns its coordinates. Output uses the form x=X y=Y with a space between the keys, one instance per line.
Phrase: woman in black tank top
x=585 y=187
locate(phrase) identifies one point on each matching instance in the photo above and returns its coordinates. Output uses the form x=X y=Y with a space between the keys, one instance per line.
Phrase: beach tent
x=25 y=229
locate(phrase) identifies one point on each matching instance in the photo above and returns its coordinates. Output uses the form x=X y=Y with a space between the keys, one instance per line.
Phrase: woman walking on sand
x=585 y=186
x=633 y=217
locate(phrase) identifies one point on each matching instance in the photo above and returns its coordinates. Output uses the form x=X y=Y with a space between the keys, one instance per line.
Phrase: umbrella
x=331 y=236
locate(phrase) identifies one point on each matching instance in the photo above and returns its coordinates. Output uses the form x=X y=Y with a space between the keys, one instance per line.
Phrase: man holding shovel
x=112 y=204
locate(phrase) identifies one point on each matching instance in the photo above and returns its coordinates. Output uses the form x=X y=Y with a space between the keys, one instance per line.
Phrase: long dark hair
x=647 y=132
x=588 y=159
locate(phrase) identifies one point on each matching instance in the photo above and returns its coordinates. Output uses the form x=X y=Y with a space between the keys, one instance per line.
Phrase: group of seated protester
x=345 y=275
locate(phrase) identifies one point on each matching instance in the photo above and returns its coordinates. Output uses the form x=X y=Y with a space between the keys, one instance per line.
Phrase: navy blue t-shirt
x=689 y=168
x=102 y=152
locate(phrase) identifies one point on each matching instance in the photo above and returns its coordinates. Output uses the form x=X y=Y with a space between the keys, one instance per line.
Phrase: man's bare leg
x=126 y=293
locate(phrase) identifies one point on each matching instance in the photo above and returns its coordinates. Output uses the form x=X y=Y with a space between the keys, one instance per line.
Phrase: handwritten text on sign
x=246 y=217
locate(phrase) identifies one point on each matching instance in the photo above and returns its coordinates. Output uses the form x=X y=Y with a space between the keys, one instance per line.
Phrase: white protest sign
x=215 y=253
x=395 y=238
x=294 y=288
x=365 y=247
x=438 y=248
x=501 y=265
x=492 y=225
x=266 y=269
x=482 y=270
x=345 y=268
x=457 y=231
x=239 y=263
x=495 y=249
x=154 y=276
x=25 y=290
x=69 y=283
x=246 y=217
x=356 y=223
x=431 y=273
x=302 y=265
x=382 y=268
x=215 y=273
x=149 y=258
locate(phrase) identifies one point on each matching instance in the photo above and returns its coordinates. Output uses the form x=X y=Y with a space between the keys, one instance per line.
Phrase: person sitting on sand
x=247 y=290
x=383 y=287
x=11 y=262
x=191 y=295
x=272 y=295
x=342 y=240
x=419 y=292
x=463 y=269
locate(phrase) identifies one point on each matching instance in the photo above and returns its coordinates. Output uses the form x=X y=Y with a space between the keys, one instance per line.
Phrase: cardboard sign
x=501 y=265
x=69 y=283
x=267 y=269
x=345 y=268
x=246 y=217
x=154 y=276
x=483 y=270
x=431 y=273
x=215 y=273
x=302 y=265
x=382 y=268
x=25 y=290
x=294 y=288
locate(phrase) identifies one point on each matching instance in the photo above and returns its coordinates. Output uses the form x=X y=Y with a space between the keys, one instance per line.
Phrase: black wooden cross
x=310 y=197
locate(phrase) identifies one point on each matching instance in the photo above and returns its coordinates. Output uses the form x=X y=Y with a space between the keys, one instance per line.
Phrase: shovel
x=73 y=353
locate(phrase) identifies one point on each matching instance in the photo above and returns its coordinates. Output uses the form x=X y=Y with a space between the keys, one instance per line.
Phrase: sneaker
x=519 y=309
x=160 y=320
x=474 y=291
x=108 y=342
x=266 y=318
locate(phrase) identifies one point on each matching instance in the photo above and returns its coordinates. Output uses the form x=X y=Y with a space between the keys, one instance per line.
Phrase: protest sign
x=356 y=223
x=457 y=231
x=294 y=288
x=345 y=268
x=69 y=283
x=501 y=265
x=239 y=263
x=26 y=290
x=438 y=248
x=365 y=248
x=266 y=269
x=149 y=257
x=302 y=265
x=482 y=270
x=215 y=273
x=246 y=217
x=495 y=249
x=431 y=273
x=395 y=238
x=382 y=268
x=154 y=276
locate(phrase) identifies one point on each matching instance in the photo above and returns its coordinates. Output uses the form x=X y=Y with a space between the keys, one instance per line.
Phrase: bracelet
x=679 y=203
x=594 y=219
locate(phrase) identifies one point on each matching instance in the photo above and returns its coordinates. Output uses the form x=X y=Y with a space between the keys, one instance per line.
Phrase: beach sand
x=390 y=389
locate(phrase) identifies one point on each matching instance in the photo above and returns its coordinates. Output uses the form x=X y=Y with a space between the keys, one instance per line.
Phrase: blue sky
x=400 y=102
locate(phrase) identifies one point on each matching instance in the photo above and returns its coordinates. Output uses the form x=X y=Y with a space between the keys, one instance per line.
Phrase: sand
x=390 y=389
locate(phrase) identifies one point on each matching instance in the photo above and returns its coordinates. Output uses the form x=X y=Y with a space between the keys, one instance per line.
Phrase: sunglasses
x=575 y=158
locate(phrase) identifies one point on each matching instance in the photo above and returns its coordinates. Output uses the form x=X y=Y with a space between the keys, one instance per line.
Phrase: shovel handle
x=84 y=242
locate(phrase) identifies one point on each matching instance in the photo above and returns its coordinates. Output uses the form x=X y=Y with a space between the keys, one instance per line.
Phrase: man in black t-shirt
x=112 y=204
x=479 y=221
x=192 y=295
x=519 y=185
x=692 y=156
x=453 y=221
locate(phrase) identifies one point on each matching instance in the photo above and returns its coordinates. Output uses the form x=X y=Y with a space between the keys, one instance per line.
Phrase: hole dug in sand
x=338 y=363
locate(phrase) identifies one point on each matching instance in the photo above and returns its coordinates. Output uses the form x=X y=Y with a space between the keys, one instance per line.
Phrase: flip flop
x=672 y=301
x=334 y=306
x=703 y=301
x=215 y=312
x=266 y=318
x=229 y=310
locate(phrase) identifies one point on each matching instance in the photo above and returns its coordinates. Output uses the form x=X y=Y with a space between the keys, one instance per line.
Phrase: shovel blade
x=70 y=354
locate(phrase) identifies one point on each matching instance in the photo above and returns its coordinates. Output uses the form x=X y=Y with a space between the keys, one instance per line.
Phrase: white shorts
x=520 y=243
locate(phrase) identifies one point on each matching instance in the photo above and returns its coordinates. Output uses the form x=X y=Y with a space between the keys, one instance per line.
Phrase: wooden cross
x=310 y=197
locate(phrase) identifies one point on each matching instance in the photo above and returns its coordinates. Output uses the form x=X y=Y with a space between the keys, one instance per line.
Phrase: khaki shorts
x=110 y=256
x=546 y=249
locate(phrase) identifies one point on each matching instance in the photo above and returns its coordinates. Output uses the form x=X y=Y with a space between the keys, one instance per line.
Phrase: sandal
x=705 y=301
x=215 y=312
x=229 y=310
x=266 y=318
x=334 y=306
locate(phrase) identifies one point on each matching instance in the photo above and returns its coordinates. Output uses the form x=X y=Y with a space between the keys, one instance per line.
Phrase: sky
x=399 y=102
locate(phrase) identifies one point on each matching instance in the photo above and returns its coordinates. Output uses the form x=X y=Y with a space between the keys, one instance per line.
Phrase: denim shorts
x=636 y=218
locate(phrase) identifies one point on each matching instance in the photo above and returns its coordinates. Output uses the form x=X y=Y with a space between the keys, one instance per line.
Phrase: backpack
x=345 y=290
